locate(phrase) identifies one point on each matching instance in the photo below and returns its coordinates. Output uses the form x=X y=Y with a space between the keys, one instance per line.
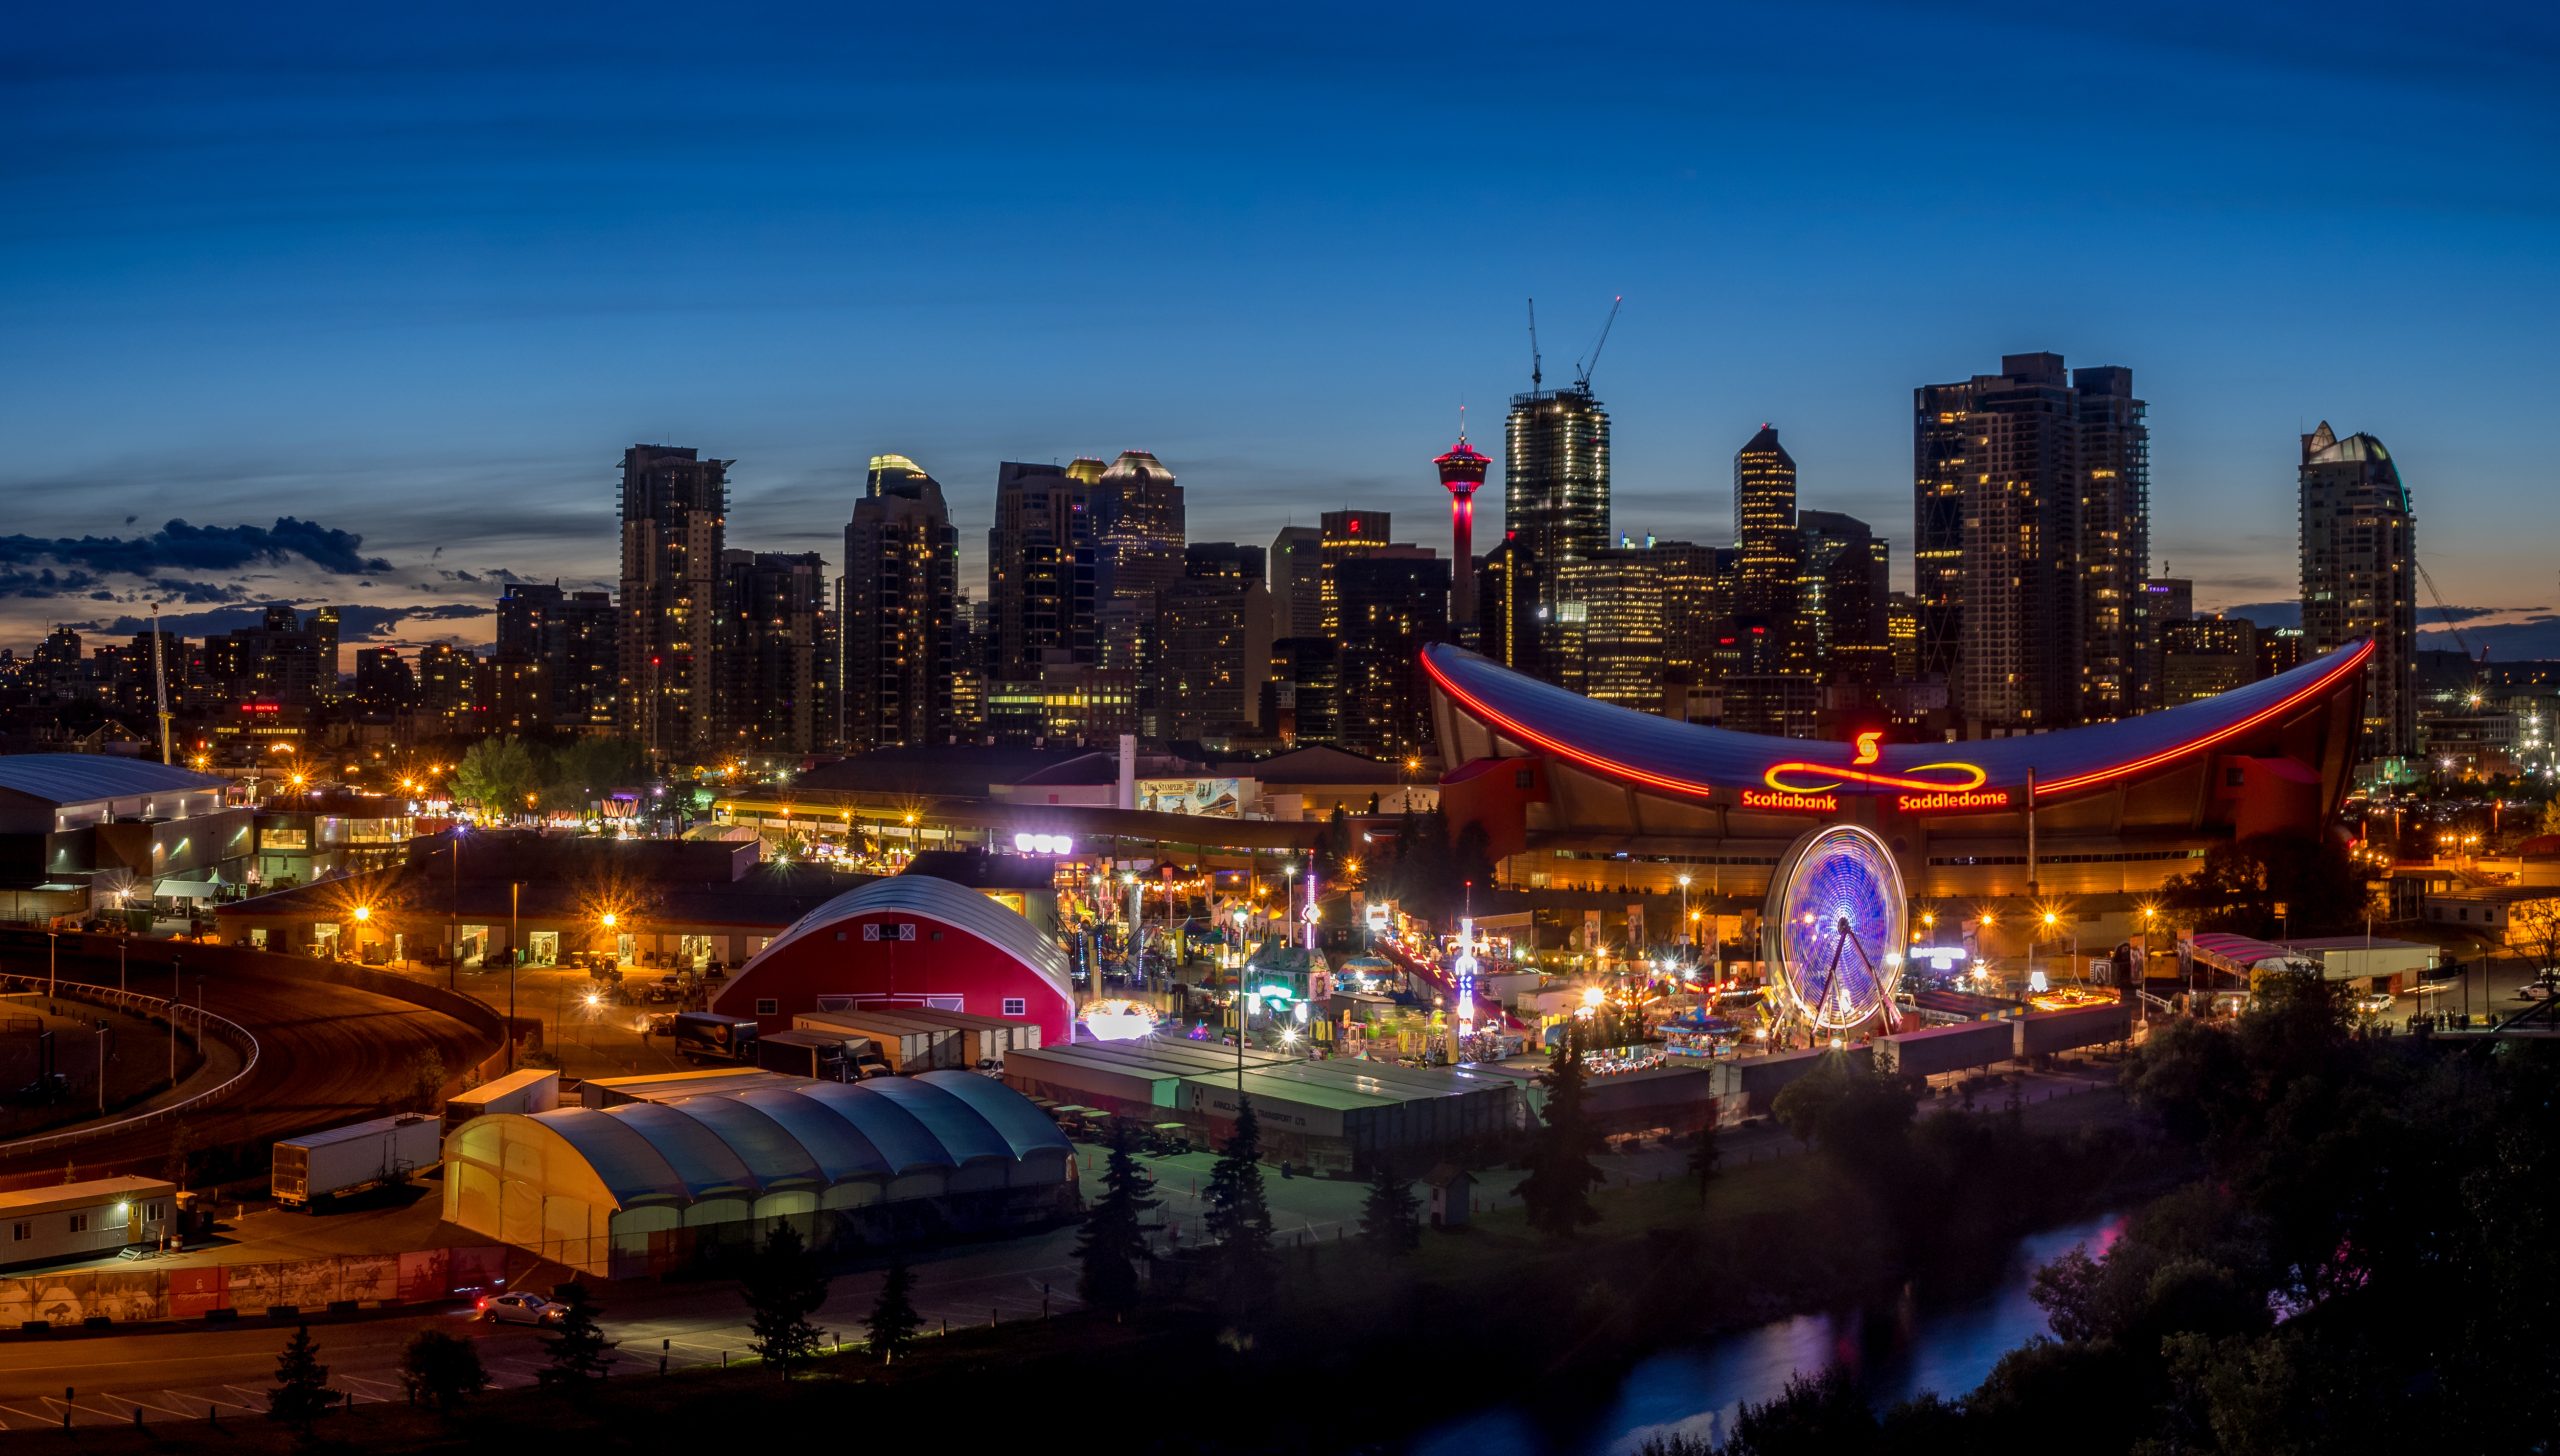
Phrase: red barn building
x=910 y=940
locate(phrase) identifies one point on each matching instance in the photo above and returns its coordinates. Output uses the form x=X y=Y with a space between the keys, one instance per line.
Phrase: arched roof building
x=908 y=940
x=1582 y=793
x=592 y=1188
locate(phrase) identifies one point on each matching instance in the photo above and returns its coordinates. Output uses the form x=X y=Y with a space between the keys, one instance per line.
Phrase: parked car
x=2374 y=1003
x=2534 y=991
x=520 y=1308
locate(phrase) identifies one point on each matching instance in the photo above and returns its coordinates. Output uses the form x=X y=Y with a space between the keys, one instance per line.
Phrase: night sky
x=374 y=301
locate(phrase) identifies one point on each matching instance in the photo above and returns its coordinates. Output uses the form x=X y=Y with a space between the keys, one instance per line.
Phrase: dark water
x=1947 y=1345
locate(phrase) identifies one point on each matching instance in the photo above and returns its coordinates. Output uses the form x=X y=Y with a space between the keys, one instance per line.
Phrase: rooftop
x=81 y=778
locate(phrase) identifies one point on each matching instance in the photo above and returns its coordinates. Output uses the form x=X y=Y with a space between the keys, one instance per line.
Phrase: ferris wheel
x=1832 y=930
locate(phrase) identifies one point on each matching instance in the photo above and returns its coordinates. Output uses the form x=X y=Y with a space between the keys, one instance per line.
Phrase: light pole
x=515 y=957
x=1688 y=927
x=52 y=980
x=173 y=1022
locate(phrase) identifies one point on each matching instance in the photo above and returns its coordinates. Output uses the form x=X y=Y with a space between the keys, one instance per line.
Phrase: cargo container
x=908 y=1042
x=534 y=1089
x=827 y=1056
x=316 y=1167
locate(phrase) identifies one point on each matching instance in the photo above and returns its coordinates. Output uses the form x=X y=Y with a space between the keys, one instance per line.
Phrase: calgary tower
x=1462 y=472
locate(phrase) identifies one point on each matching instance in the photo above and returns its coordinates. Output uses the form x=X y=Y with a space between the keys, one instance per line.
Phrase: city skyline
x=330 y=332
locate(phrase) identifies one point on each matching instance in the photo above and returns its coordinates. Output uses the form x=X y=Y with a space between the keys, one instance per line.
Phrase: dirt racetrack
x=328 y=1053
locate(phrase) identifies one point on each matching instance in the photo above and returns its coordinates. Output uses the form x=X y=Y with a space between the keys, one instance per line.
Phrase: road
x=326 y=1055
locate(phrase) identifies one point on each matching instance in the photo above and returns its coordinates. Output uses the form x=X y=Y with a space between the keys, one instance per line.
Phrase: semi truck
x=707 y=1036
x=318 y=1167
x=828 y=1056
x=534 y=1089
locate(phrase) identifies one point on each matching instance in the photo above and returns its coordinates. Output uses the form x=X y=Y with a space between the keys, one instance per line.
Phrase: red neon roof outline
x=2197 y=745
x=1514 y=728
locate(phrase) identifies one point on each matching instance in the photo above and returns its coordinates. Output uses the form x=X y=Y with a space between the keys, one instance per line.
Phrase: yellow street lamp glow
x=610 y=920
x=2051 y=918
x=364 y=913
x=1591 y=996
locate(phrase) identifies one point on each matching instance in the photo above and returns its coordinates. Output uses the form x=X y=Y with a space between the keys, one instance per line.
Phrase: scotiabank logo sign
x=1952 y=786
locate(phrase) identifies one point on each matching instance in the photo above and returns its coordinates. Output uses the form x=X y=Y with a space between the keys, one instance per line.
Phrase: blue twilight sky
x=419 y=277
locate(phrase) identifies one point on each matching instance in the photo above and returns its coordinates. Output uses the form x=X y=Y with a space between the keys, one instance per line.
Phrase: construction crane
x=1582 y=370
x=2478 y=662
x=1535 y=377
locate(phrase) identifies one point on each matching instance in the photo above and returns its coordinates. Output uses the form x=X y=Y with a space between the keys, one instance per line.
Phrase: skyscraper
x=2359 y=570
x=1138 y=531
x=1507 y=608
x=1040 y=569
x=1462 y=470
x=1843 y=596
x=898 y=611
x=1555 y=479
x=1214 y=626
x=1391 y=601
x=1611 y=624
x=1343 y=535
x=2031 y=538
x=1764 y=532
x=675 y=509
x=1296 y=579
x=768 y=650
x=569 y=638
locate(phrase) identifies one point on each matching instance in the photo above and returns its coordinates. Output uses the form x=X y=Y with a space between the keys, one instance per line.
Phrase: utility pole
x=173 y=1022
x=514 y=889
x=160 y=684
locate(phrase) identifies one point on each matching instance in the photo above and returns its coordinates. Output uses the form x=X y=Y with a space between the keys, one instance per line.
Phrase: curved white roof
x=941 y=901
x=817 y=1135
x=78 y=778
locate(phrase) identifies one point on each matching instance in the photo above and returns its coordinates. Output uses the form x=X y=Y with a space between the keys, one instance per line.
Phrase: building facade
x=1555 y=479
x=768 y=650
x=2359 y=576
x=675 y=515
x=1041 y=564
x=898 y=608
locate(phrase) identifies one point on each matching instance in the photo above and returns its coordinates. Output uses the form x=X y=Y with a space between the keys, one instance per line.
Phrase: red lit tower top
x=1462 y=473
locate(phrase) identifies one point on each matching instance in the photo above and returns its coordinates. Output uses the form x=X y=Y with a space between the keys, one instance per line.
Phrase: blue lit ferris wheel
x=1832 y=930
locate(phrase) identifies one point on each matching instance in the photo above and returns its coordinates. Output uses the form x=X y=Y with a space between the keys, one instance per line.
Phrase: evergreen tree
x=1557 y=1192
x=438 y=1369
x=579 y=1350
x=1239 y=1218
x=894 y=1320
x=783 y=1286
x=1114 y=1238
x=1703 y=1157
x=1391 y=1218
x=302 y=1390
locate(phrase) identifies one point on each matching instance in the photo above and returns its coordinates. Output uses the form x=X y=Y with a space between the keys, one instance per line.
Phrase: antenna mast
x=159 y=683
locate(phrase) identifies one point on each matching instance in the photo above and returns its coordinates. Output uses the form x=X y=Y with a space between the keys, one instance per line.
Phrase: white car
x=2374 y=1003
x=2535 y=991
x=521 y=1309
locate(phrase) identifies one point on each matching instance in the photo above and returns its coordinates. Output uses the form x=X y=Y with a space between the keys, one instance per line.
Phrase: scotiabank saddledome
x=1579 y=794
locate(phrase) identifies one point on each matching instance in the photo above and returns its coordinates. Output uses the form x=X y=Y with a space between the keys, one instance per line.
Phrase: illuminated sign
x=1216 y=798
x=1808 y=803
x=1789 y=777
x=1945 y=803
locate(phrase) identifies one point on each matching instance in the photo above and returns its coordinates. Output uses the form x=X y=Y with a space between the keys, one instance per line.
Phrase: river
x=1946 y=1344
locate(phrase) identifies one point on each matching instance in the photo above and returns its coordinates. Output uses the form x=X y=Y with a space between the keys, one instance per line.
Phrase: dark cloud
x=197 y=593
x=2458 y=614
x=43 y=583
x=353 y=621
x=201 y=548
x=2537 y=640
x=2268 y=614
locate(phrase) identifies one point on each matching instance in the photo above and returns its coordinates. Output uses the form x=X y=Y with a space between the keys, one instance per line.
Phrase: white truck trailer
x=316 y=1167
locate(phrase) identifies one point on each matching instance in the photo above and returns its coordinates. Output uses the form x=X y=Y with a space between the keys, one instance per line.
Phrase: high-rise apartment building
x=277 y=661
x=2359 y=576
x=767 y=650
x=1297 y=581
x=898 y=631
x=2164 y=599
x=570 y=637
x=1342 y=535
x=2031 y=538
x=1040 y=569
x=1555 y=480
x=324 y=640
x=1138 y=531
x=675 y=516
x=1507 y=613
